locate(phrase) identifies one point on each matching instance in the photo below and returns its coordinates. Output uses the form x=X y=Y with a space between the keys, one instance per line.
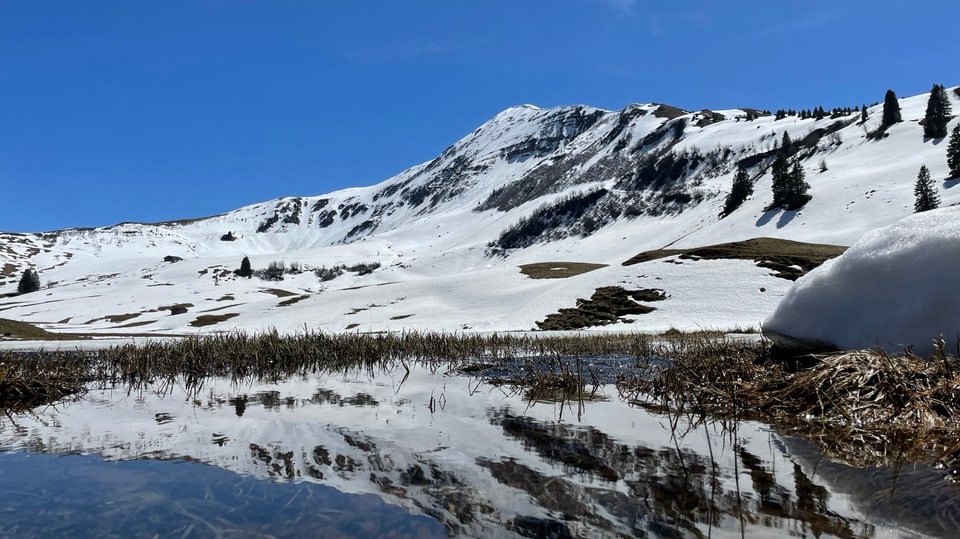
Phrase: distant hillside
x=568 y=184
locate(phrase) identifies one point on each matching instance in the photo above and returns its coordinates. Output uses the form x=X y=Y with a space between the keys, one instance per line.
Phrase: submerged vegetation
x=864 y=407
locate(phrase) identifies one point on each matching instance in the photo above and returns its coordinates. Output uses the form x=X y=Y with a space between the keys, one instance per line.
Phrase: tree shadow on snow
x=950 y=182
x=785 y=218
x=767 y=217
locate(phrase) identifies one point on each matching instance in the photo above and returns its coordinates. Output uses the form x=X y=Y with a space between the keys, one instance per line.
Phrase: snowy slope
x=431 y=228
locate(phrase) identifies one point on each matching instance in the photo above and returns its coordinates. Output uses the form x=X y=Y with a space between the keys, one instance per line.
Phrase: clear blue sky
x=132 y=110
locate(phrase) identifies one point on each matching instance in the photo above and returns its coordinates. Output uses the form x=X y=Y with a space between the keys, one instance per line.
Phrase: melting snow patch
x=896 y=287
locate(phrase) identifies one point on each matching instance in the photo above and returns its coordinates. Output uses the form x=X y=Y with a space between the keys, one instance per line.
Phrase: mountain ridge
x=530 y=185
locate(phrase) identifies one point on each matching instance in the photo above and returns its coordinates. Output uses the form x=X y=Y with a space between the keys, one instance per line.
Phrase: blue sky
x=131 y=110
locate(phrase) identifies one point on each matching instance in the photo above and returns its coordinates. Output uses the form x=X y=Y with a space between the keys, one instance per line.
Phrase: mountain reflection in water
x=422 y=454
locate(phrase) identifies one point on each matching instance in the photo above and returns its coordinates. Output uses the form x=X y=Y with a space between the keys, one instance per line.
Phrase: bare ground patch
x=118 y=318
x=12 y=329
x=279 y=292
x=557 y=270
x=291 y=301
x=788 y=259
x=137 y=324
x=211 y=319
x=608 y=305
x=215 y=309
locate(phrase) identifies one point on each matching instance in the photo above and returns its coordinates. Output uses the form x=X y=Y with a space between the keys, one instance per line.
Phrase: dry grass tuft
x=864 y=407
x=27 y=381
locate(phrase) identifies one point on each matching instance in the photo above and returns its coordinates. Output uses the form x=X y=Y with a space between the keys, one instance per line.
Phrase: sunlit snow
x=896 y=288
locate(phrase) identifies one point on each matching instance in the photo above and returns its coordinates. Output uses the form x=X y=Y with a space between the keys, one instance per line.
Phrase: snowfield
x=891 y=289
x=429 y=229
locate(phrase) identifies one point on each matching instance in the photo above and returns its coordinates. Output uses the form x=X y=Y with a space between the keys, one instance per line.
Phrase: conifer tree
x=938 y=113
x=789 y=184
x=953 y=152
x=786 y=144
x=741 y=189
x=245 y=269
x=925 y=193
x=891 y=109
x=863 y=114
x=780 y=170
x=798 y=185
x=29 y=281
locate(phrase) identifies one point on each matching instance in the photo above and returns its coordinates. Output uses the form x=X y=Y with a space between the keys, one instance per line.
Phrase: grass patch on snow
x=608 y=305
x=291 y=301
x=280 y=293
x=788 y=259
x=212 y=319
x=12 y=329
x=557 y=270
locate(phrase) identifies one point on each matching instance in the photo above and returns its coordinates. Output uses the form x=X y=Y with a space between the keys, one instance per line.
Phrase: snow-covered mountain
x=531 y=186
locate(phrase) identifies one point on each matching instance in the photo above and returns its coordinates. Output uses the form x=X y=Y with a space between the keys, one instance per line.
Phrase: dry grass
x=789 y=259
x=557 y=270
x=291 y=301
x=863 y=407
x=27 y=381
x=279 y=292
x=211 y=319
x=607 y=305
x=12 y=329
x=137 y=324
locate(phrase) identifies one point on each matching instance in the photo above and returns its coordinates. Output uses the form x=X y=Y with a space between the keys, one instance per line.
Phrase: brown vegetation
x=789 y=259
x=609 y=304
x=557 y=270
x=863 y=407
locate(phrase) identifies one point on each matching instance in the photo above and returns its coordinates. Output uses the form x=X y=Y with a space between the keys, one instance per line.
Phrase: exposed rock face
x=525 y=154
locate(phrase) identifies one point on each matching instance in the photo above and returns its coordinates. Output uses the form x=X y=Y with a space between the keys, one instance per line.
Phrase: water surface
x=428 y=453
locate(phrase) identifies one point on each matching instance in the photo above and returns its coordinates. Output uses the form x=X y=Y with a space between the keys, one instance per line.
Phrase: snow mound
x=896 y=287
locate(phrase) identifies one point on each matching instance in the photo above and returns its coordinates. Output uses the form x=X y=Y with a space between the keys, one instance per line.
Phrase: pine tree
x=29 y=282
x=891 y=109
x=925 y=193
x=741 y=189
x=798 y=186
x=789 y=184
x=780 y=170
x=863 y=114
x=786 y=144
x=938 y=113
x=953 y=152
x=245 y=269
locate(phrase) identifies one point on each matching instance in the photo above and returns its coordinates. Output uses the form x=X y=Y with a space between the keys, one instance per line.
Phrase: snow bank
x=896 y=287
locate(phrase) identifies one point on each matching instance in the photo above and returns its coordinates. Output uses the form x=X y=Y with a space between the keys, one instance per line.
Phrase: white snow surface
x=893 y=289
x=436 y=272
